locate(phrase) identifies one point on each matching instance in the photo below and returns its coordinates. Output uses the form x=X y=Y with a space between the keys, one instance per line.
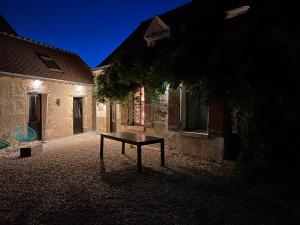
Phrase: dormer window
x=237 y=12
x=156 y=31
x=49 y=62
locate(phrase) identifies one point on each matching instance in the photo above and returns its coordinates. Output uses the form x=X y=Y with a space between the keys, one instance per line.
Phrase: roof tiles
x=20 y=55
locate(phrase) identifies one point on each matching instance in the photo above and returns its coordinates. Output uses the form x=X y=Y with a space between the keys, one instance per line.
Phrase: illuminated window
x=138 y=107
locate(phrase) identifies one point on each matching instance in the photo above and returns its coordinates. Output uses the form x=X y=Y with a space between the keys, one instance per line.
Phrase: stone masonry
x=57 y=118
x=207 y=147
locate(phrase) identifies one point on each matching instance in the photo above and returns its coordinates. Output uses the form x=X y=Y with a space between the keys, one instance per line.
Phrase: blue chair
x=4 y=145
x=24 y=134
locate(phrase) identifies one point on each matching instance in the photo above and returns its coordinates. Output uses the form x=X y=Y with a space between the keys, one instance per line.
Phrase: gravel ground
x=64 y=182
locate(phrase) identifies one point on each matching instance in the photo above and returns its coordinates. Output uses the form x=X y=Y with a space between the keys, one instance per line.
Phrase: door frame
x=42 y=114
x=111 y=106
x=82 y=114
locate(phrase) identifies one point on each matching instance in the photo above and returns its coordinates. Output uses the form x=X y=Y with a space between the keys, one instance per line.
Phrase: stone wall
x=57 y=106
x=102 y=118
x=208 y=147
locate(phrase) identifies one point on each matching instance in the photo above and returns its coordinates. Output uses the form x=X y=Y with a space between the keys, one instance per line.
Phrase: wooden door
x=35 y=114
x=113 y=117
x=77 y=116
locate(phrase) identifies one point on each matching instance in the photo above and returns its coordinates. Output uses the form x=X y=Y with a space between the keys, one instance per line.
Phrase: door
x=35 y=114
x=113 y=117
x=77 y=116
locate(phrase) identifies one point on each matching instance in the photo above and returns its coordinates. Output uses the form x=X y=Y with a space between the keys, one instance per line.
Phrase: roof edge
x=38 y=43
x=30 y=77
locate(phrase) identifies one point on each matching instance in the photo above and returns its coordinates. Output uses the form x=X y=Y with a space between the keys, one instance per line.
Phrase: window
x=138 y=107
x=49 y=62
x=196 y=113
x=138 y=110
x=187 y=111
x=157 y=30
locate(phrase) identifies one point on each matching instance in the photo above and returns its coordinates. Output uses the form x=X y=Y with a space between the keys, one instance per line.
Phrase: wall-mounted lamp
x=58 y=102
x=37 y=84
x=79 y=90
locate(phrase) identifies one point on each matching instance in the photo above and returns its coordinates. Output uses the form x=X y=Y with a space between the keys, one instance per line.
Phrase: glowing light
x=37 y=84
x=79 y=90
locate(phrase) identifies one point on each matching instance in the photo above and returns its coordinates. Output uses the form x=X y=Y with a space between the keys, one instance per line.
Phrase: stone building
x=180 y=116
x=46 y=88
x=103 y=111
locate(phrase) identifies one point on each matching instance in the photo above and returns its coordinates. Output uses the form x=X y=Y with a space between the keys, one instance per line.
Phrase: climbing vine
x=253 y=66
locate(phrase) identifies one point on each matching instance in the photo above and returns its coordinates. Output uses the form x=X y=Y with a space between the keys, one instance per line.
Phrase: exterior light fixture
x=79 y=90
x=37 y=84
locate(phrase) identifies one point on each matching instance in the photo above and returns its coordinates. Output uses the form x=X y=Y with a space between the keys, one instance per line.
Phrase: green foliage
x=252 y=62
x=151 y=68
x=116 y=84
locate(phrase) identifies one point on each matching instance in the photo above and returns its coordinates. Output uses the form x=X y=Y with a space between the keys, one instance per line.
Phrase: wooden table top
x=132 y=138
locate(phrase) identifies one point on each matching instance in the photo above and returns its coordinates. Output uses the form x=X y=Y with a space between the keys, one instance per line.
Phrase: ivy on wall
x=252 y=62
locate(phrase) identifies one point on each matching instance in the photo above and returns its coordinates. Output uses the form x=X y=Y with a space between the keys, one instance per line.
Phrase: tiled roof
x=191 y=16
x=135 y=40
x=174 y=19
x=19 y=55
x=5 y=27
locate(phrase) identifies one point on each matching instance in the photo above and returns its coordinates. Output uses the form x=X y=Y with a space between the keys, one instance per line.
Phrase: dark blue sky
x=89 y=28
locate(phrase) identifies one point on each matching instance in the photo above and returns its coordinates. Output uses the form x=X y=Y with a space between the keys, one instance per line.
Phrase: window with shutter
x=174 y=110
x=124 y=114
x=196 y=113
x=148 y=109
x=216 y=116
x=188 y=111
x=138 y=107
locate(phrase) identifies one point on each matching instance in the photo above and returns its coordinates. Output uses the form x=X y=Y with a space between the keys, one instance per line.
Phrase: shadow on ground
x=67 y=184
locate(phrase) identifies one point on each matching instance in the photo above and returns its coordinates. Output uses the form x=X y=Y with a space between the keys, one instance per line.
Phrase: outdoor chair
x=4 y=145
x=24 y=134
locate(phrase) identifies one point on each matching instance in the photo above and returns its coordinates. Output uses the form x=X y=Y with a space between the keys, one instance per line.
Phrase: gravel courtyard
x=64 y=182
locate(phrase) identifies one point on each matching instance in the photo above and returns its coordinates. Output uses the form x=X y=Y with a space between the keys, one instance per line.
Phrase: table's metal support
x=123 y=148
x=101 y=146
x=139 y=158
x=162 y=152
x=136 y=141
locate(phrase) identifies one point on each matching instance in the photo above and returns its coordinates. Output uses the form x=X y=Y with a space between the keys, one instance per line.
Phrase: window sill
x=194 y=134
x=136 y=128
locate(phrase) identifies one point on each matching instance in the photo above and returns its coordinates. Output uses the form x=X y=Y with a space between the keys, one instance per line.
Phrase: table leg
x=123 y=148
x=162 y=152
x=139 y=158
x=101 y=146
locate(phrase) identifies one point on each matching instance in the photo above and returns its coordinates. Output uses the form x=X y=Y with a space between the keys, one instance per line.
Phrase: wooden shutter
x=196 y=112
x=148 y=110
x=216 y=117
x=174 y=110
x=124 y=114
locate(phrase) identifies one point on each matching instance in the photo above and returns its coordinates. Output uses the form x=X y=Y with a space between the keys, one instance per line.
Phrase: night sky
x=91 y=29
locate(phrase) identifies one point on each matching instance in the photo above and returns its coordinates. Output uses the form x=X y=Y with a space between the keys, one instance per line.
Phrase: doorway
x=77 y=116
x=35 y=114
x=113 y=117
